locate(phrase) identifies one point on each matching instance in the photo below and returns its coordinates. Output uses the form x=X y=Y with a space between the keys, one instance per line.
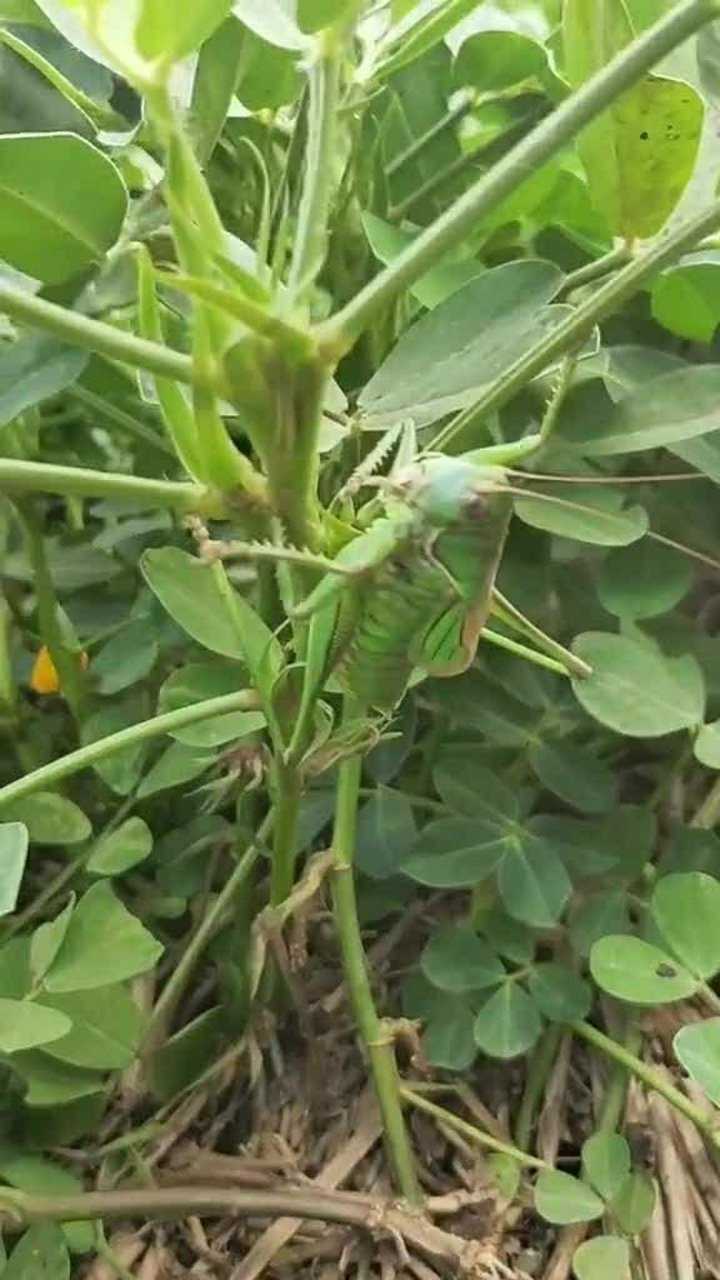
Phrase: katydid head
x=446 y=491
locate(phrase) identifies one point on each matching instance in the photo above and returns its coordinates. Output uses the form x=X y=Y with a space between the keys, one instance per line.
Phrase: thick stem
x=288 y=793
x=624 y=70
x=376 y=1038
x=576 y=328
x=81 y=331
x=45 y=477
x=66 y=661
x=651 y=1079
x=85 y=757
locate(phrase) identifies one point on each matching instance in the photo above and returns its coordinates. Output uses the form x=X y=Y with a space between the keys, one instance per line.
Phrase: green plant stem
x=81 y=331
x=708 y=814
x=66 y=662
x=470 y=1130
x=85 y=757
x=377 y=1039
x=578 y=326
x=651 y=1078
x=340 y=332
x=465 y=103
x=81 y=482
x=617 y=257
x=165 y=1007
x=310 y=240
x=539 y=1068
x=288 y=789
x=616 y=1092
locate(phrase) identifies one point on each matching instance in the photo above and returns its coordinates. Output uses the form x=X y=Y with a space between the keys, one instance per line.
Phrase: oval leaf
x=508 y=1024
x=631 y=969
x=602 y=1257
x=635 y=690
x=698 y=1048
x=25 y=1025
x=13 y=853
x=562 y=1199
x=456 y=959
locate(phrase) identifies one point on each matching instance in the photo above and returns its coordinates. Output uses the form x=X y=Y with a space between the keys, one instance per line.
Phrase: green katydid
x=414 y=591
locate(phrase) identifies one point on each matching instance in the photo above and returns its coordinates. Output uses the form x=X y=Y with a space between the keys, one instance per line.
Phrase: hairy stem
x=85 y=757
x=309 y=248
x=624 y=70
x=470 y=1131
x=373 y=1032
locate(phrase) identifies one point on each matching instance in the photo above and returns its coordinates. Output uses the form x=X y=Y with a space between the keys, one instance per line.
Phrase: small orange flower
x=44 y=678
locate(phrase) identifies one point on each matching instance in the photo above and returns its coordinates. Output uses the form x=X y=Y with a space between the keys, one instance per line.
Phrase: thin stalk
x=617 y=257
x=66 y=662
x=85 y=757
x=576 y=328
x=288 y=794
x=651 y=1079
x=376 y=1038
x=539 y=1068
x=81 y=331
x=137 y=430
x=81 y=482
x=523 y=651
x=461 y=108
x=708 y=814
x=471 y=1131
x=614 y=1100
x=174 y=989
x=310 y=240
x=340 y=332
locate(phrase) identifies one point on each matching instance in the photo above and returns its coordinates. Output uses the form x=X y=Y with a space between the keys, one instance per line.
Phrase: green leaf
x=47 y=940
x=575 y=774
x=126 y=659
x=453 y=853
x=269 y=75
x=496 y=60
x=33 y=369
x=707 y=745
x=508 y=1024
x=644 y=581
x=54 y=1084
x=168 y=33
x=635 y=690
x=220 y=620
x=386 y=830
x=272 y=21
x=698 y=1049
x=594 y=515
x=387 y=241
x=639 y=153
x=598 y=915
x=121 y=770
x=472 y=791
x=562 y=1199
x=686 y=909
x=674 y=407
x=456 y=959
x=104 y=944
x=559 y=993
x=448 y=1040
x=123 y=848
x=39 y=1176
x=601 y=1257
x=686 y=299
x=634 y=1204
x=630 y=969
x=606 y=1163
x=24 y=1025
x=13 y=853
x=533 y=883
x=196 y=682
x=41 y=1254
x=105 y=1032
x=49 y=228
x=182 y=1058
x=313 y=15
x=176 y=765
x=444 y=360
x=49 y=818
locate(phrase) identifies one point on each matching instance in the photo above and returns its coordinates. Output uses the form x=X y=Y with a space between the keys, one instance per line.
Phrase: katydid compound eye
x=475 y=507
